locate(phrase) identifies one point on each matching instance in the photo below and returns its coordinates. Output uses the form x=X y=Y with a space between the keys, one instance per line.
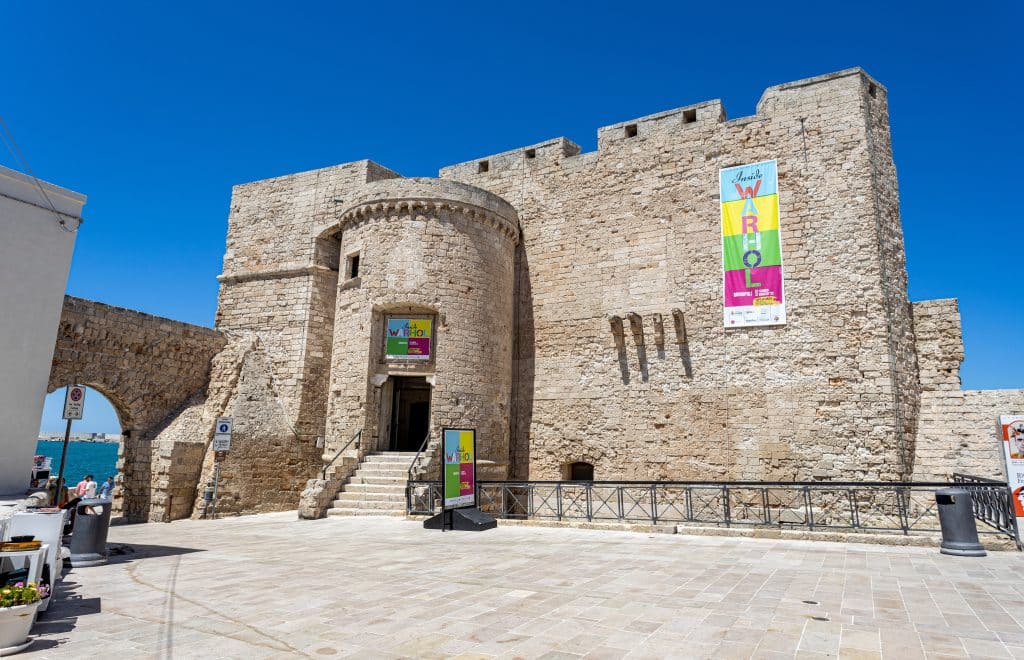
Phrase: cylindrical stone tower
x=423 y=327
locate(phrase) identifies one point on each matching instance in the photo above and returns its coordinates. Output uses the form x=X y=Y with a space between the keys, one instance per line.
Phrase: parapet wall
x=957 y=429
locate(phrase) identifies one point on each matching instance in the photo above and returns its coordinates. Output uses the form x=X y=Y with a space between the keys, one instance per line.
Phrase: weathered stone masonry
x=148 y=367
x=577 y=305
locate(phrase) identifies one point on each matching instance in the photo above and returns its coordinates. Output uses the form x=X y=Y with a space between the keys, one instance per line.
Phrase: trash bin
x=956 y=517
x=89 y=536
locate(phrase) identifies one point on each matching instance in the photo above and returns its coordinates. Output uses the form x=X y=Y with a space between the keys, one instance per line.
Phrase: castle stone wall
x=444 y=250
x=577 y=300
x=957 y=429
x=149 y=368
x=634 y=228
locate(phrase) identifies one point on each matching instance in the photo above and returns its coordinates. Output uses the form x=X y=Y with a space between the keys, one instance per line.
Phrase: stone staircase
x=377 y=488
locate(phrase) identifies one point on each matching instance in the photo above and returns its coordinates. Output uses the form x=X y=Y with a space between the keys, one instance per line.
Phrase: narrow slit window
x=483 y=166
x=352 y=266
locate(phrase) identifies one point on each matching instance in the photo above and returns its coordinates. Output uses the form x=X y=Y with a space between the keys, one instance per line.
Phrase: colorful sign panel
x=751 y=245
x=459 y=468
x=407 y=339
x=1011 y=431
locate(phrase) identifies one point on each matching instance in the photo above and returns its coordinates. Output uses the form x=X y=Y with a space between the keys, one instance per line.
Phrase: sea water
x=96 y=458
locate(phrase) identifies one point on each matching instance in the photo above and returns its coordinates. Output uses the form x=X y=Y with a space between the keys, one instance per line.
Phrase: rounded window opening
x=580 y=471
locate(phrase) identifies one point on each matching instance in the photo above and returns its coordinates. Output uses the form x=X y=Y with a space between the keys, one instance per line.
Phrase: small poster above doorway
x=408 y=338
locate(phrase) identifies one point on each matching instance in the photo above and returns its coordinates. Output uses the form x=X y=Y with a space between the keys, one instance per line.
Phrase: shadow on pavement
x=62 y=616
x=123 y=553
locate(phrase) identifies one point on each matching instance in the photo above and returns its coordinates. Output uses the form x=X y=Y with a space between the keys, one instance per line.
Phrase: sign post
x=74 y=408
x=1011 y=432
x=221 y=446
x=458 y=485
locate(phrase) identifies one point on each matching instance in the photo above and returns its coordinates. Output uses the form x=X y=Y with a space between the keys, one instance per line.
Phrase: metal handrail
x=994 y=511
x=355 y=438
x=970 y=478
x=419 y=451
x=908 y=507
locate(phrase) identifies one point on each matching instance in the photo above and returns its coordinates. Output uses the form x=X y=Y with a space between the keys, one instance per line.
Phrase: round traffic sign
x=76 y=394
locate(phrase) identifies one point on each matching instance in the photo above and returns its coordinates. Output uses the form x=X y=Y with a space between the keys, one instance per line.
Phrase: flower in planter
x=22 y=594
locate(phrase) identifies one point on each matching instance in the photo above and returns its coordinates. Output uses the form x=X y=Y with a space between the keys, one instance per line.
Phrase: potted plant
x=18 y=606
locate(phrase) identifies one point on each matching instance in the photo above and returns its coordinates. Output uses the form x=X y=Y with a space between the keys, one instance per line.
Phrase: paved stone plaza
x=273 y=586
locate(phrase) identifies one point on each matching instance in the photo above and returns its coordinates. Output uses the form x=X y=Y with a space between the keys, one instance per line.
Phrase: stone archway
x=148 y=367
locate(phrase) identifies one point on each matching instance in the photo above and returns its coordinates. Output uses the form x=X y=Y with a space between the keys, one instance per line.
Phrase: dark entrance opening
x=410 y=413
x=581 y=472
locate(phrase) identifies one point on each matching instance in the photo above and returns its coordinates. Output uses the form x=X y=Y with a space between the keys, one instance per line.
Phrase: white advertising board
x=1011 y=432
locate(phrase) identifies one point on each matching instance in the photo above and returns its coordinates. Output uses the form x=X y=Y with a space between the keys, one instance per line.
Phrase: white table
x=35 y=565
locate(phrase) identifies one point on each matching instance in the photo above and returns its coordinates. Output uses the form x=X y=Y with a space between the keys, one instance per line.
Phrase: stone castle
x=568 y=306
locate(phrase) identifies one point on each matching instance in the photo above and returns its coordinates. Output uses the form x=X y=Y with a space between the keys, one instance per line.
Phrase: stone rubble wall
x=957 y=429
x=280 y=275
x=148 y=367
x=278 y=290
x=269 y=460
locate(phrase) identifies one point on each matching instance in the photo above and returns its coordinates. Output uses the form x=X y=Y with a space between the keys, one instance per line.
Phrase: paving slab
x=272 y=586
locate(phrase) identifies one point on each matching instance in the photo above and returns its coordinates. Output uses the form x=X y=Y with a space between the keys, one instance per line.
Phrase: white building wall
x=35 y=255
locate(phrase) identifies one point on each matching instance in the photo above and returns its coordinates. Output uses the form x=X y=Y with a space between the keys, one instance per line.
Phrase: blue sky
x=156 y=111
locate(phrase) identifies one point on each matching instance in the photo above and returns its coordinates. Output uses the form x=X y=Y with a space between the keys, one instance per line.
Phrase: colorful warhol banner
x=459 y=468
x=1011 y=432
x=407 y=339
x=751 y=245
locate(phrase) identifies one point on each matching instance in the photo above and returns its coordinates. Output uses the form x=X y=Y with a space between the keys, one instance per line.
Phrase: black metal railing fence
x=907 y=507
x=992 y=501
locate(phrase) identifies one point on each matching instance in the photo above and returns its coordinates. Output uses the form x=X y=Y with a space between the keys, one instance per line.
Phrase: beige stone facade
x=576 y=306
x=148 y=368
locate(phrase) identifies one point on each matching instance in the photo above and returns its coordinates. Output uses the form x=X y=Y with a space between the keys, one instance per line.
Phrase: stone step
x=370 y=497
x=383 y=457
x=377 y=472
x=378 y=480
x=375 y=488
x=346 y=511
x=368 y=504
x=390 y=458
x=374 y=471
x=374 y=460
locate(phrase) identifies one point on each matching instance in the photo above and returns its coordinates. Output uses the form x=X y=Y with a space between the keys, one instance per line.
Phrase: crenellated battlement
x=682 y=122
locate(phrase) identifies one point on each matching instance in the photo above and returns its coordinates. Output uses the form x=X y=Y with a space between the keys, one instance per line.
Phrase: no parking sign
x=74 y=402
